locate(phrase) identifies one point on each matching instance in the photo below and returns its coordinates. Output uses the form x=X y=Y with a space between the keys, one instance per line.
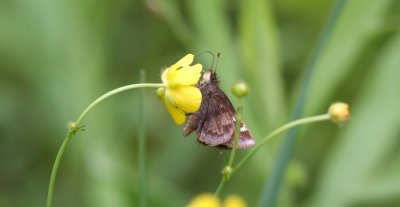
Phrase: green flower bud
x=161 y=92
x=240 y=89
x=227 y=172
x=72 y=126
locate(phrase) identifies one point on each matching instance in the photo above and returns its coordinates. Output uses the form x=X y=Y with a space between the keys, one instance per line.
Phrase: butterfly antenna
x=216 y=64
x=212 y=55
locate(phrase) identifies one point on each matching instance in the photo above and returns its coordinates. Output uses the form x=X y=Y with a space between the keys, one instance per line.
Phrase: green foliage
x=58 y=56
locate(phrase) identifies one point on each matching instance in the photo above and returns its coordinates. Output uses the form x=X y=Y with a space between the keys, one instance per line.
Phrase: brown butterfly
x=215 y=121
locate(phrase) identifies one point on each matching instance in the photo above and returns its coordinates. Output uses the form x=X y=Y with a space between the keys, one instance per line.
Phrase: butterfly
x=215 y=121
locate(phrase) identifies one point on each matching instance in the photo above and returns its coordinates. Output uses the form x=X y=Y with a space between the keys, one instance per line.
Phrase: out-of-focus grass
x=57 y=56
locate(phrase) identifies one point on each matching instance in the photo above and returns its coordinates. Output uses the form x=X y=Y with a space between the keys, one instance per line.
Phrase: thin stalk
x=115 y=91
x=273 y=183
x=295 y=123
x=237 y=133
x=142 y=147
x=307 y=120
x=221 y=186
x=72 y=132
x=227 y=170
x=55 y=168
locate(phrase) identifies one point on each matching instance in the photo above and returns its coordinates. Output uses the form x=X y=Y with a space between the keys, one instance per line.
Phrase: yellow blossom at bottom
x=234 y=201
x=209 y=200
x=205 y=200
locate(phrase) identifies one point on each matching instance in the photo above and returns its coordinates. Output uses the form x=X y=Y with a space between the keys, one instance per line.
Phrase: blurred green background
x=58 y=56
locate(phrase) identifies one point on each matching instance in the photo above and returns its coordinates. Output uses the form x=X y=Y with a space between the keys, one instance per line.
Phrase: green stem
x=317 y=118
x=55 y=168
x=272 y=185
x=115 y=91
x=142 y=147
x=72 y=132
x=307 y=120
x=227 y=171
x=237 y=133
x=221 y=187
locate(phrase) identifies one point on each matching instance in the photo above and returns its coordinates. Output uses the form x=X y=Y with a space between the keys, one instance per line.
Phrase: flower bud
x=161 y=92
x=240 y=89
x=227 y=172
x=72 y=126
x=339 y=112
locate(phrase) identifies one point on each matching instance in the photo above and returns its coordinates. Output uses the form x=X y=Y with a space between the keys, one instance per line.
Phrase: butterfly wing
x=217 y=125
x=194 y=119
x=245 y=140
x=215 y=121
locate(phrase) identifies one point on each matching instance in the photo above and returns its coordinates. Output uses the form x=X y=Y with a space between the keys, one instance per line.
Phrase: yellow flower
x=234 y=201
x=209 y=200
x=179 y=95
x=205 y=200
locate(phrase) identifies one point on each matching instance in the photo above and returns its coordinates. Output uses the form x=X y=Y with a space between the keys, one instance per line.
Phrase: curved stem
x=115 y=91
x=317 y=118
x=72 y=132
x=273 y=183
x=55 y=168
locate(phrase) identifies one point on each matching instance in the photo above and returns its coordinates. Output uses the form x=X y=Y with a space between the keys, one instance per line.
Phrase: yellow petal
x=169 y=99
x=169 y=73
x=187 y=98
x=164 y=76
x=234 y=201
x=188 y=75
x=177 y=114
x=185 y=61
x=204 y=200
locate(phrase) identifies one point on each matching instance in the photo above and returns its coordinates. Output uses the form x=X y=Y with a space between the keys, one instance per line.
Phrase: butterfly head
x=209 y=77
